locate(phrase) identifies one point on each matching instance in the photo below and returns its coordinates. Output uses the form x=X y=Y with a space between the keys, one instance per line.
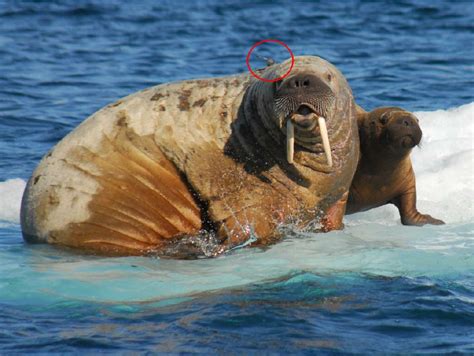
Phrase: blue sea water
x=376 y=287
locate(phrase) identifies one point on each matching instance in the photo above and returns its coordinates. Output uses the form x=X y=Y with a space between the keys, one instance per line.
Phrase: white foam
x=11 y=192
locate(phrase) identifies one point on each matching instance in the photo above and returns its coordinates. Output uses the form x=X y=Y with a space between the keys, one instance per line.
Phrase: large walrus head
x=391 y=130
x=311 y=110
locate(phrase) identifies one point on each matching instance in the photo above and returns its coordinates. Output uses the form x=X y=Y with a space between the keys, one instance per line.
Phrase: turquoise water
x=376 y=287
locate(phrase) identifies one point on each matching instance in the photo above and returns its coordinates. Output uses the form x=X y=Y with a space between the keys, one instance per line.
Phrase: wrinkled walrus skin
x=385 y=174
x=143 y=175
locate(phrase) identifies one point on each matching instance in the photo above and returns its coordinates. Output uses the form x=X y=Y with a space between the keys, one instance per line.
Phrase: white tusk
x=324 y=136
x=290 y=141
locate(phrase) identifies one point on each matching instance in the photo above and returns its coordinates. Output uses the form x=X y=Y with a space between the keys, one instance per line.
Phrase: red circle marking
x=247 y=60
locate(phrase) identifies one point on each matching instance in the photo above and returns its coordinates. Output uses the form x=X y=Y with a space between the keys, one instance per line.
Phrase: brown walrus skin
x=385 y=174
x=197 y=167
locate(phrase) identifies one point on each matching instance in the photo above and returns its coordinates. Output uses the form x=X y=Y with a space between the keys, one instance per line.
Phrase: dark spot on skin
x=224 y=114
x=36 y=179
x=201 y=83
x=49 y=154
x=214 y=97
x=157 y=96
x=162 y=108
x=116 y=104
x=53 y=199
x=183 y=100
x=122 y=118
x=199 y=103
x=121 y=121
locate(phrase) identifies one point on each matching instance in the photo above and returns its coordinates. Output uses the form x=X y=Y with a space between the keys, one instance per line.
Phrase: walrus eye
x=329 y=77
x=383 y=120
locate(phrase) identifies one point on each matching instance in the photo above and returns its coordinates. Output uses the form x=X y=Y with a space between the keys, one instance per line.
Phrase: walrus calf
x=385 y=174
x=168 y=169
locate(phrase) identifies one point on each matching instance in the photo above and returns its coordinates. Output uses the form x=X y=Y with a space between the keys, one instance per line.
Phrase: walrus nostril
x=301 y=82
x=304 y=82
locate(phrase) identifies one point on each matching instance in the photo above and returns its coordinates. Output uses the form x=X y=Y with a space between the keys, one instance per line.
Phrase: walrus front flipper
x=409 y=215
x=334 y=215
x=250 y=225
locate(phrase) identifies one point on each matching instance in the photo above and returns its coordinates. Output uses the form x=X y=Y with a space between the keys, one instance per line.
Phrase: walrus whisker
x=290 y=141
x=324 y=136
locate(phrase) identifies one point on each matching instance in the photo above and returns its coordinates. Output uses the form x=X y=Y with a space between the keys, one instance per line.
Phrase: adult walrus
x=161 y=170
x=385 y=174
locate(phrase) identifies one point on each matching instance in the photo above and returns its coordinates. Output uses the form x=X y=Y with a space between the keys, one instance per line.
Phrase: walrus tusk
x=324 y=136
x=290 y=141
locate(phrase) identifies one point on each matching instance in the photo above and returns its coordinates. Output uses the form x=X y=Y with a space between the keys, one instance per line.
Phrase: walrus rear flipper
x=409 y=214
x=335 y=214
x=141 y=201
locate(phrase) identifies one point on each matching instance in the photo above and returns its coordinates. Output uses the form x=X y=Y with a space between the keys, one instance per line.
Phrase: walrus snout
x=408 y=142
x=405 y=131
x=304 y=93
x=305 y=101
x=304 y=118
x=308 y=119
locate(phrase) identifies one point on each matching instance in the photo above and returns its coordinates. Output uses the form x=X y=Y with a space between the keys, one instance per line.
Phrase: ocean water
x=375 y=287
